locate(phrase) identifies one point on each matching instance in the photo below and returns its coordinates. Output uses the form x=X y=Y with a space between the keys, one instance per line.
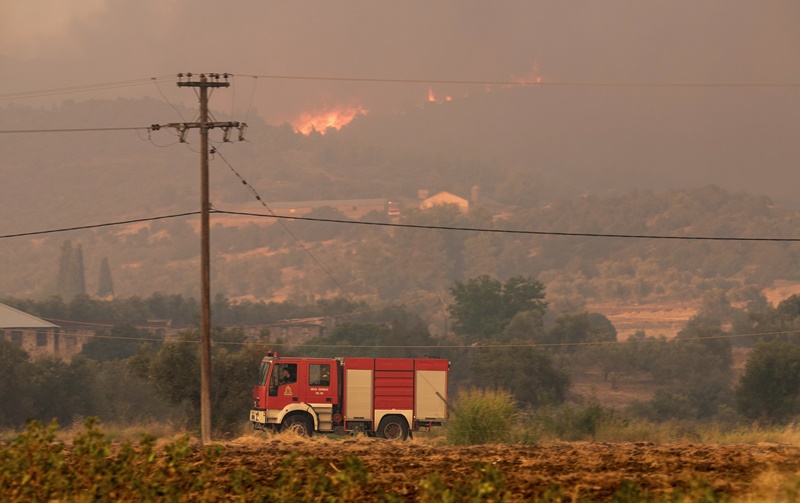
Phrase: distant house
x=298 y=331
x=443 y=198
x=36 y=336
x=475 y=200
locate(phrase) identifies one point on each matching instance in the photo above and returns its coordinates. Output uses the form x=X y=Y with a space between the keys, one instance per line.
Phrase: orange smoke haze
x=324 y=119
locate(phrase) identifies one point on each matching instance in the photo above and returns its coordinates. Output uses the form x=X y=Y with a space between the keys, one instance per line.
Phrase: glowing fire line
x=325 y=119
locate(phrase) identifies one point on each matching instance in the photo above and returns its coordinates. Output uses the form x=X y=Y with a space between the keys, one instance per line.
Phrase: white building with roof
x=35 y=335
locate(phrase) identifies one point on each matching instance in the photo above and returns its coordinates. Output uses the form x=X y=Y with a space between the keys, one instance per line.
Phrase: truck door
x=322 y=384
x=285 y=384
x=303 y=381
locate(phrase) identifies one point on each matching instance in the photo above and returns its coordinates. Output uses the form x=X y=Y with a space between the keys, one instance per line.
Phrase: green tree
x=693 y=372
x=120 y=342
x=527 y=326
x=484 y=306
x=174 y=371
x=105 y=285
x=366 y=339
x=64 y=390
x=577 y=328
x=713 y=340
x=15 y=385
x=769 y=389
x=71 y=278
x=64 y=263
x=77 y=272
x=527 y=372
x=569 y=328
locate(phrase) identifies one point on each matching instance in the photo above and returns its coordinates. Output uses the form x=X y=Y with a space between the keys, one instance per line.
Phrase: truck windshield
x=262 y=380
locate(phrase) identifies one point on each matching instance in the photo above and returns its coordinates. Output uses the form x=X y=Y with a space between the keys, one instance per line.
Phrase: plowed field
x=584 y=471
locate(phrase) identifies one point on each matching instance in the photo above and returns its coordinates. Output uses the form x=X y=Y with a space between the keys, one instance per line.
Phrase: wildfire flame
x=432 y=96
x=531 y=76
x=324 y=119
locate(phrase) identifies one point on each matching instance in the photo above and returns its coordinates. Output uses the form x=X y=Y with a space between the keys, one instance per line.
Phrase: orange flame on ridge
x=531 y=76
x=324 y=119
x=432 y=97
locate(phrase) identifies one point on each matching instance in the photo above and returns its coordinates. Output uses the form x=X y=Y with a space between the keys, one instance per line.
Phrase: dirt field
x=584 y=471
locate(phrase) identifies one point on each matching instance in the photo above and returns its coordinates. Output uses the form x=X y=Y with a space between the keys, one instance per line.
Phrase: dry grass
x=772 y=486
x=705 y=434
x=120 y=432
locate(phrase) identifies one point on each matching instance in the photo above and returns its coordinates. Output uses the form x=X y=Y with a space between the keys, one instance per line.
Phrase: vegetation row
x=503 y=336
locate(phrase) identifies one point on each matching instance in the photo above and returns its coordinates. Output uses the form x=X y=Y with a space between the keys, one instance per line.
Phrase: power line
x=83 y=88
x=74 y=130
x=511 y=83
x=540 y=83
x=299 y=242
x=167 y=100
x=509 y=231
x=411 y=226
x=96 y=226
x=447 y=346
x=152 y=127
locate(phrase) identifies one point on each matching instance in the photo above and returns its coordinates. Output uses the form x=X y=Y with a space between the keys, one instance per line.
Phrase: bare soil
x=585 y=471
x=655 y=319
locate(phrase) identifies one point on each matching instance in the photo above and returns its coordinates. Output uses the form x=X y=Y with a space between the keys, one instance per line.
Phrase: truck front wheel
x=393 y=428
x=298 y=424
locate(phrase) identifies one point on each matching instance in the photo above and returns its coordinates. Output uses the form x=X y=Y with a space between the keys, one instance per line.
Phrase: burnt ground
x=583 y=470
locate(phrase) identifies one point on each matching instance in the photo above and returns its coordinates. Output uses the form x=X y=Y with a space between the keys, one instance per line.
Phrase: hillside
x=64 y=180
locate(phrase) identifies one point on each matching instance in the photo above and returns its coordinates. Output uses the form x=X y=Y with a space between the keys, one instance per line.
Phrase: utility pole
x=206 y=81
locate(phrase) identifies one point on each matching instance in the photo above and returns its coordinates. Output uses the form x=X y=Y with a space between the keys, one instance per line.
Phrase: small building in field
x=36 y=336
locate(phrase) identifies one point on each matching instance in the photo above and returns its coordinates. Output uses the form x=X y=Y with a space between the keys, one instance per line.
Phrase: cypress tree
x=105 y=286
x=77 y=273
x=64 y=263
x=71 y=277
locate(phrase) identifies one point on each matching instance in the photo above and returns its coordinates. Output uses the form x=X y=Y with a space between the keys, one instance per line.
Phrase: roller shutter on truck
x=430 y=393
x=358 y=394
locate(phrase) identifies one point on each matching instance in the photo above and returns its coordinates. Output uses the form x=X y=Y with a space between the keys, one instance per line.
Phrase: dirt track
x=592 y=471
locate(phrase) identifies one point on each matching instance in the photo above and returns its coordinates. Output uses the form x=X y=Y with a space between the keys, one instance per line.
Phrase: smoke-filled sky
x=47 y=44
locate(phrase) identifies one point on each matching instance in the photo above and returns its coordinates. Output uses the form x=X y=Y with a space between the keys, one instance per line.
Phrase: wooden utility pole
x=205 y=82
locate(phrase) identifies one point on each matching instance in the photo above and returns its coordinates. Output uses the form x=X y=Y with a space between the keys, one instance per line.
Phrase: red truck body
x=388 y=397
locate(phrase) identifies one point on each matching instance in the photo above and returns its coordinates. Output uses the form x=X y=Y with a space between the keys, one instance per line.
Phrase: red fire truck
x=387 y=397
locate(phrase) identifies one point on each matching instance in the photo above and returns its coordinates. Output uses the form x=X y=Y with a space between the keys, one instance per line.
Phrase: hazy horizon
x=741 y=138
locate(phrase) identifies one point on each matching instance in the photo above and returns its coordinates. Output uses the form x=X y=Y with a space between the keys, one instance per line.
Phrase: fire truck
x=384 y=397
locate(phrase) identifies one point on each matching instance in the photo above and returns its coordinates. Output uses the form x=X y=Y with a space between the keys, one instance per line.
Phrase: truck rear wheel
x=393 y=428
x=298 y=424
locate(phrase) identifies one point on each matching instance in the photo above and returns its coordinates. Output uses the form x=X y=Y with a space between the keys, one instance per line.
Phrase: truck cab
x=305 y=389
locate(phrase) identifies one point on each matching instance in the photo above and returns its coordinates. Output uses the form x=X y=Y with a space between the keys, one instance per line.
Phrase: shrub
x=482 y=417
x=572 y=422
